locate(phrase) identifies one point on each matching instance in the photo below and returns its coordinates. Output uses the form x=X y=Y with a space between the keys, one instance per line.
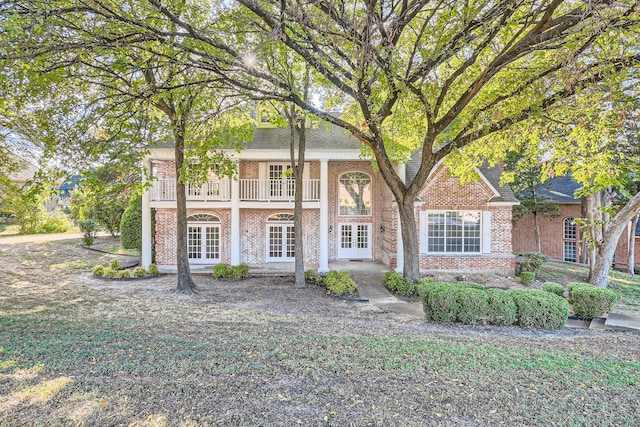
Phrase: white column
x=146 y=217
x=400 y=245
x=235 y=222
x=324 y=217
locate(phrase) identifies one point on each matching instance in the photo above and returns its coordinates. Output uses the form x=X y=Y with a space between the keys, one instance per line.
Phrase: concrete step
x=620 y=322
x=597 y=323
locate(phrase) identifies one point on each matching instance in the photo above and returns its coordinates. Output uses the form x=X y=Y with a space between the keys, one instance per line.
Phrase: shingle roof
x=492 y=174
x=560 y=189
x=323 y=137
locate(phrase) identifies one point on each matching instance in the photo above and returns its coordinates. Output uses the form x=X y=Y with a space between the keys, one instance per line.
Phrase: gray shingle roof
x=560 y=189
x=322 y=137
x=492 y=174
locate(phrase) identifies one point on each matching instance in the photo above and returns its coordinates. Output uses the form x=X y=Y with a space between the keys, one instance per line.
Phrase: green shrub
x=89 y=229
x=110 y=273
x=422 y=286
x=139 y=271
x=590 y=301
x=98 y=271
x=530 y=262
x=220 y=270
x=339 y=283
x=56 y=222
x=472 y=304
x=405 y=286
x=312 y=276
x=539 y=309
x=526 y=277
x=554 y=288
x=153 y=270
x=440 y=302
x=391 y=279
x=233 y=273
x=471 y=285
x=131 y=225
x=124 y=274
x=243 y=270
x=115 y=264
x=501 y=308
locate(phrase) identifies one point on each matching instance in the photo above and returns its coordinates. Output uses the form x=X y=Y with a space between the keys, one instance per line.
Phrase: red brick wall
x=622 y=251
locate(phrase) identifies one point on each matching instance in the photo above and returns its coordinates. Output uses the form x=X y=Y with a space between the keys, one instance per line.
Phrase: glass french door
x=280 y=243
x=355 y=241
x=203 y=243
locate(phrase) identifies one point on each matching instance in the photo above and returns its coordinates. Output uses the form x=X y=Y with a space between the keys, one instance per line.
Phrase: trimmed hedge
x=589 y=301
x=501 y=308
x=231 y=272
x=440 y=302
x=554 y=288
x=472 y=305
x=539 y=309
x=526 y=277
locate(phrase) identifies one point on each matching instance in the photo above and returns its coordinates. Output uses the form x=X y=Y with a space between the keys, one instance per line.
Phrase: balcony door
x=203 y=239
x=355 y=241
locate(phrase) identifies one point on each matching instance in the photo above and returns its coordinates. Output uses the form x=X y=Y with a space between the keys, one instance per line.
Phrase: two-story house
x=348 y=212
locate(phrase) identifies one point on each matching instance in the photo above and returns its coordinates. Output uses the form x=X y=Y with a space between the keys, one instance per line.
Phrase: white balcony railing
x=264 y=190
x=278 y=189
x=217 y=190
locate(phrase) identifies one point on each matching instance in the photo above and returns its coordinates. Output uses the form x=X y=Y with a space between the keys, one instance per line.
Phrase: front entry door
x=203 y=243
x=280 y=243
x=355 y=241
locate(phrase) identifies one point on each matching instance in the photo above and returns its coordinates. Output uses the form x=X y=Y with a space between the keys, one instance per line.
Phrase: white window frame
x=283 y=224
x=569 y=238
x=484 y=237
x=203 y=221
x=370 y=214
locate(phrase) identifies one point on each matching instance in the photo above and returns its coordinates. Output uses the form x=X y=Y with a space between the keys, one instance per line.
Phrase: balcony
x=273 y=190
x=217 y=190
x=254 y=190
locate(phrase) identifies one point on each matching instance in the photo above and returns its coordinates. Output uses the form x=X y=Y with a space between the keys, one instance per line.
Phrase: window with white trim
x=570 y=244
x=355 y=194
x=456 y=232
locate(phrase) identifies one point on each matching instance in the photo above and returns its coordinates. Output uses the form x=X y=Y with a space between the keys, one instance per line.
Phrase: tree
x=431 y=76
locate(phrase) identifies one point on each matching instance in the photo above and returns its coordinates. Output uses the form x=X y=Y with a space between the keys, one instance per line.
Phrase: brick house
x=560 y=237
x=349 y=214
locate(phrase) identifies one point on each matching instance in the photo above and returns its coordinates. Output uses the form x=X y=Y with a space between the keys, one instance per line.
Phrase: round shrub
x=115 y=264
x=89 y=229
x=526 y=277
x=243 y=270
x=131 y=225
x=539 y=309
x=440 y=302
x=421 y=286
x=590 y=301
x=139 y=271
x=472 y=305
x=554 y=288
x=220 y=271
x=501 y=308
x=312 y=276
x=405 y=286
x=391 y=279
x=124 y=274
x=56 y=222
x=110 y=273
x=152 y=269
x=98 y=271
x=339 y=283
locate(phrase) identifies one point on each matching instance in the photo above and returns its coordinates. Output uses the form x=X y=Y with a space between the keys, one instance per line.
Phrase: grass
x=74 y=351
x=12 y=230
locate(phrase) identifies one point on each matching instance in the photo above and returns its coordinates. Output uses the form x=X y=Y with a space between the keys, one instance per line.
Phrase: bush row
x=231 y=272
x=465 y=302
x=336 y=282
x=589 y=301
x=113 y=271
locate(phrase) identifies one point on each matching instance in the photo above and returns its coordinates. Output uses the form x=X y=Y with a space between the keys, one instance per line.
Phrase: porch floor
x=276 y=268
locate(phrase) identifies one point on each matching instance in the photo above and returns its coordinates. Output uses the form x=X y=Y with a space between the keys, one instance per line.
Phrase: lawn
x=75 y=350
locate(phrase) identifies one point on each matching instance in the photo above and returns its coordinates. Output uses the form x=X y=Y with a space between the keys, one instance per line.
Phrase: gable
x=444 y=191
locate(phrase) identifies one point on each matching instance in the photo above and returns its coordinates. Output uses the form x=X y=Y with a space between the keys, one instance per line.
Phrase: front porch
x=285 y=268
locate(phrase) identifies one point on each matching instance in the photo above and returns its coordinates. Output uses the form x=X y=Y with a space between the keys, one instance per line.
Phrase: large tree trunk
x=599 y=274
x=584 y=243
x=185 y=282
x=298 y=127
x=409 y=238
x=536 y=227
x=631 y=253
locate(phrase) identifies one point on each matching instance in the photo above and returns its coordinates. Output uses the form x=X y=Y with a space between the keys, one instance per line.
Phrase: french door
x=280 y=243
x=355 y=241
x=203 y=243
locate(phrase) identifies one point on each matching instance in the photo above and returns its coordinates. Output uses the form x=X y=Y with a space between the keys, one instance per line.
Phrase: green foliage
x=530 y=262
x=89 y=229
x=110 y=273
x=225 y=271
x=405 y=286
x=589 y=301
x=471 y=285
x=115 y=264
x=501 y=308
x=526 y=277
x=124 y=274
x=539 y=309
x=422 y=286
x=139 y=271
x=472 y=305
x=339 y=283
x=440 y=302
x=220 y=270
x=131 y=225
x=391 y=280
x=312 y=276
x=56 y=222
x=555 y=288
x=243 y=270
x=152 y=269
x=98 y=270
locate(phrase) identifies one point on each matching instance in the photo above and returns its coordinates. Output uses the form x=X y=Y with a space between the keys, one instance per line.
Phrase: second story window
x=355 y=194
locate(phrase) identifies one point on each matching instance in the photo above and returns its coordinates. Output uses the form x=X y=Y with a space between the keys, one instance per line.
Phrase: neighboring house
x=560 y=237
x=349 y=213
